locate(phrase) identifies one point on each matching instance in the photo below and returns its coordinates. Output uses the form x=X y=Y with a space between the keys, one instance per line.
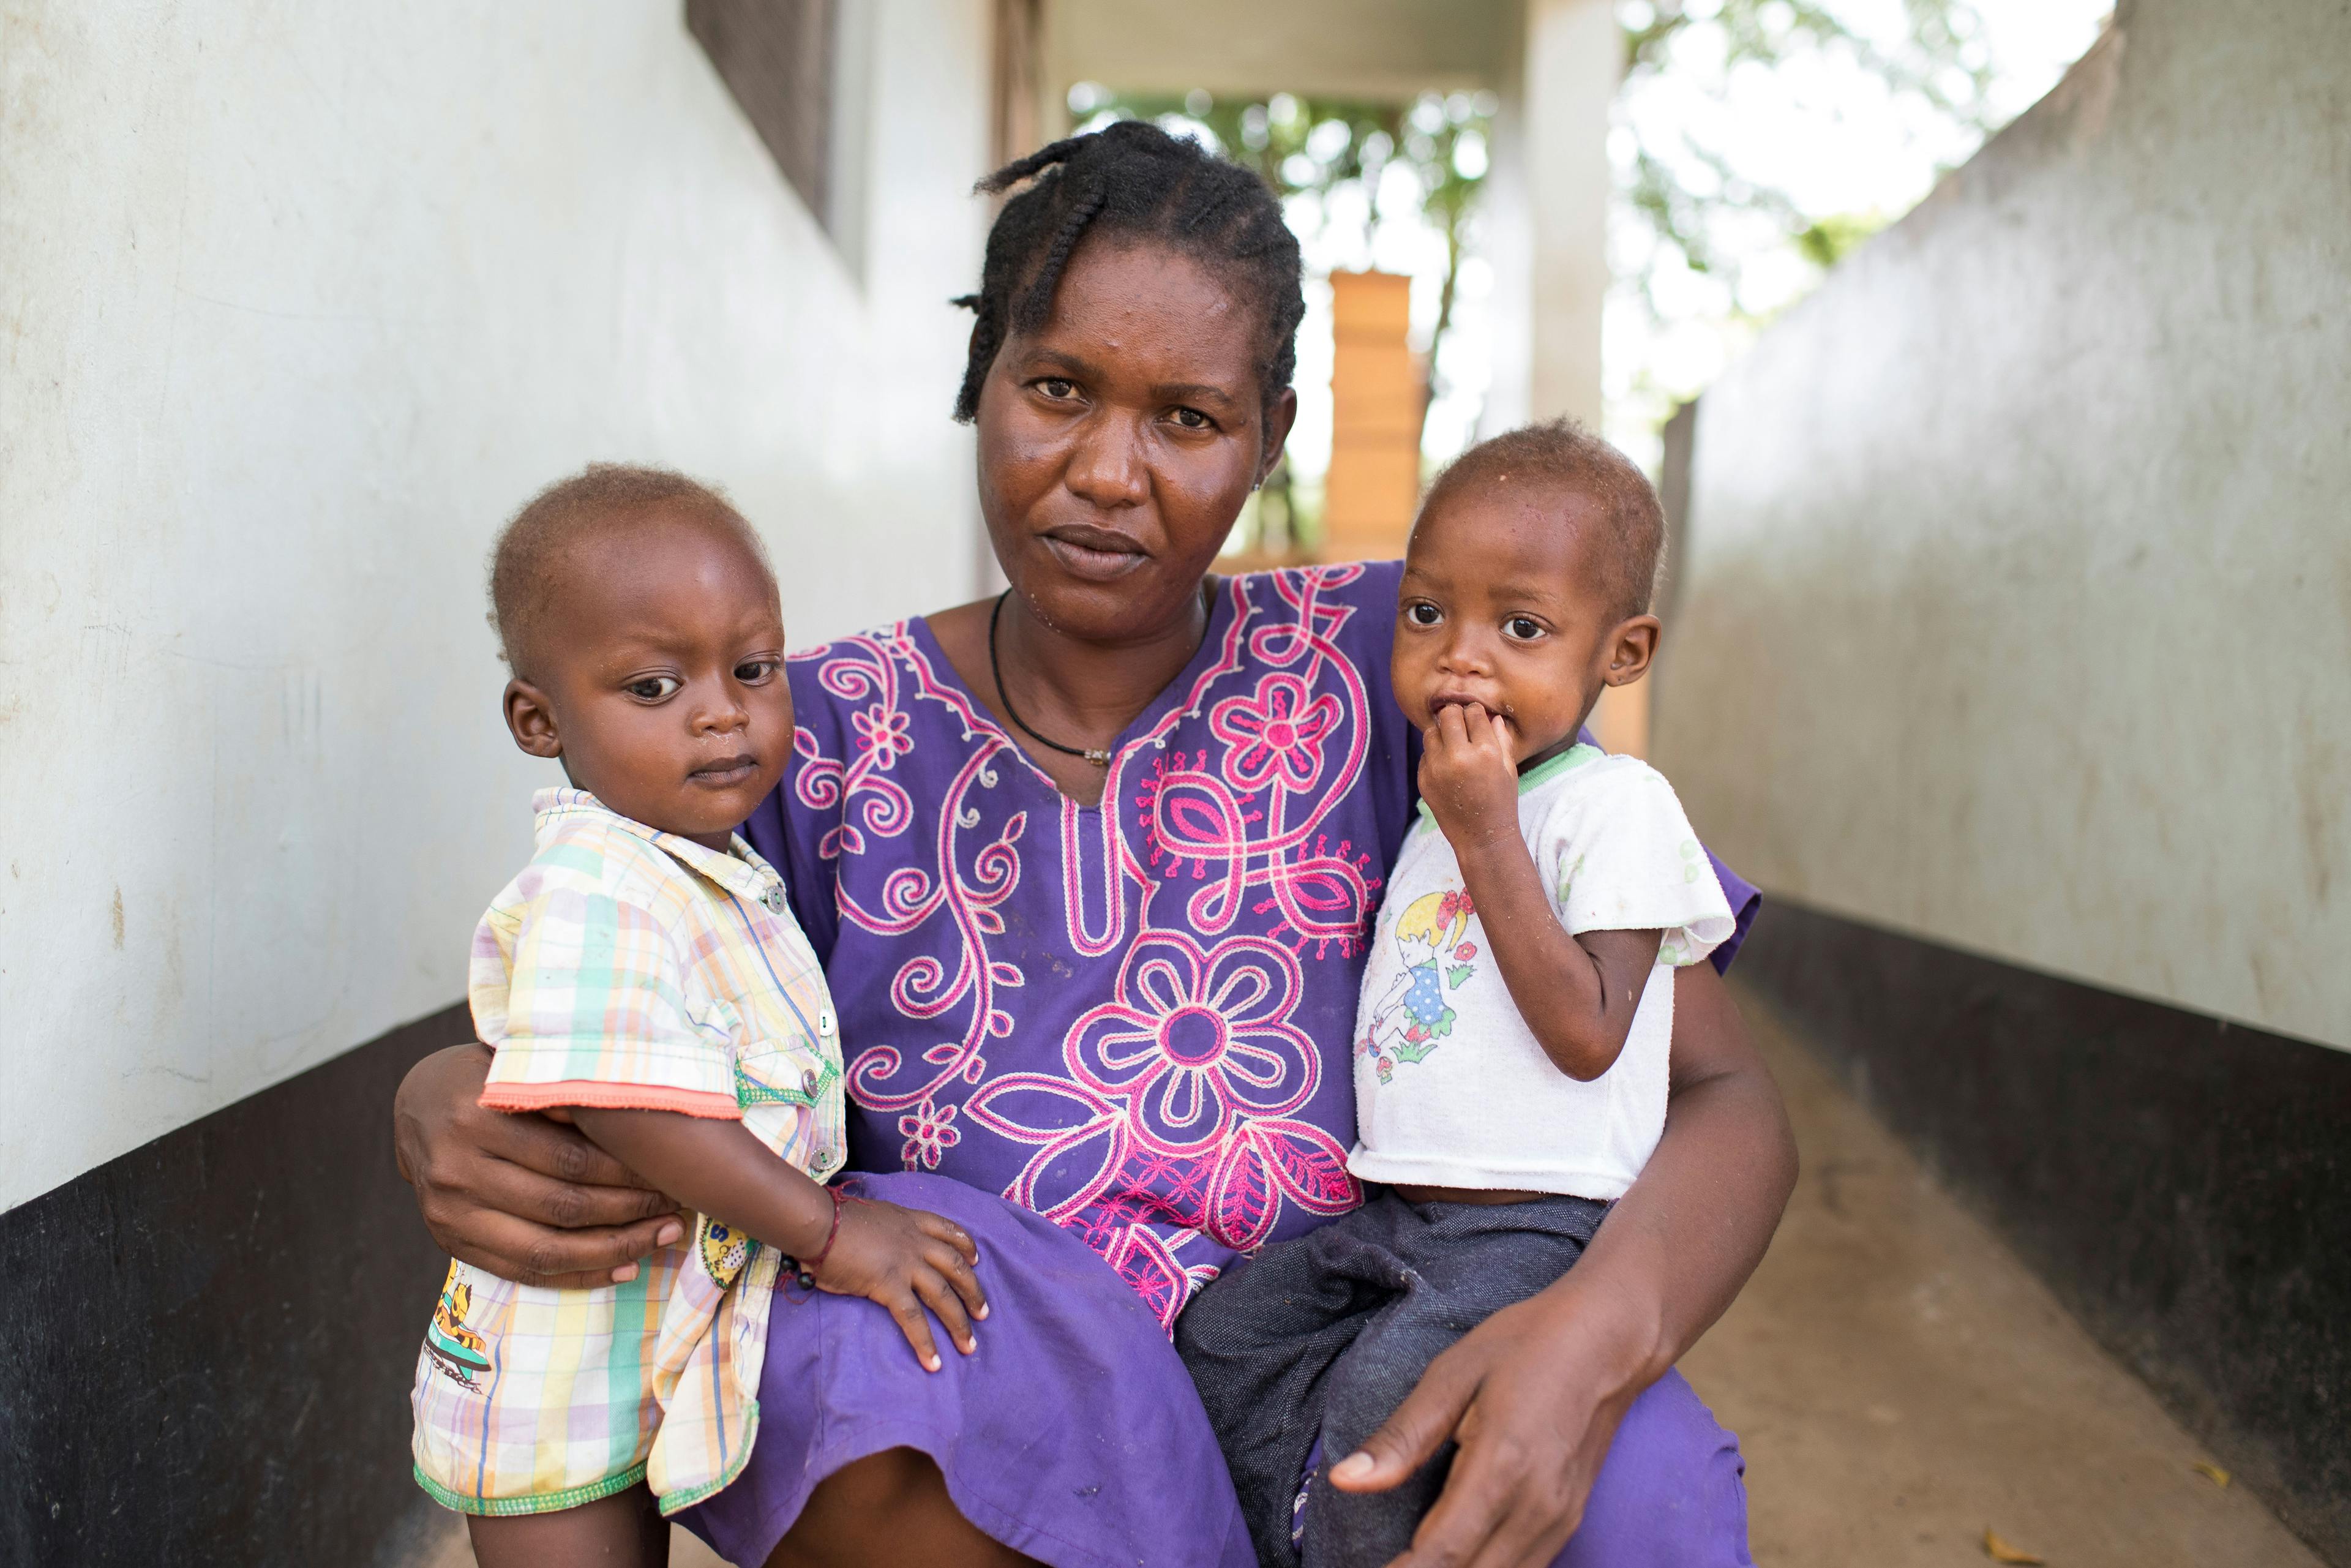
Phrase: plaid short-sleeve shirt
x=630 y=968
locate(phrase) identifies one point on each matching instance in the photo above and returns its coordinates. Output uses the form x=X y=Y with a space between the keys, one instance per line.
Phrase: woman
x=1092 y=866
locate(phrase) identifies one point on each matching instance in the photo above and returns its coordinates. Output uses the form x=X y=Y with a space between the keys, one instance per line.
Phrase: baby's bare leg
x=624 y=1531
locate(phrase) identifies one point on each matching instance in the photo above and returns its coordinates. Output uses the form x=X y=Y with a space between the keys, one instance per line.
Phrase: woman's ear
x=1278 y=421
x=530 y=719
x=1630 y=648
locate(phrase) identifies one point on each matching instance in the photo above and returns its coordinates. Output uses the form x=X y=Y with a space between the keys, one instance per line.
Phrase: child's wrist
x=808 y=1261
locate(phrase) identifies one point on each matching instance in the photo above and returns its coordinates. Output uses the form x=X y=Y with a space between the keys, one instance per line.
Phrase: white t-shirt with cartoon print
x=1451 y=1087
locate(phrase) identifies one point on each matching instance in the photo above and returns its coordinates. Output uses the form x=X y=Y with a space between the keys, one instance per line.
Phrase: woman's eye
x=1522 y=628
x=753 y=672
x=654 y=688
x=1422 y=613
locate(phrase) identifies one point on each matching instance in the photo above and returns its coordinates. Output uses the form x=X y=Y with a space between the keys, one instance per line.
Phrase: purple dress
x=1113 y=1034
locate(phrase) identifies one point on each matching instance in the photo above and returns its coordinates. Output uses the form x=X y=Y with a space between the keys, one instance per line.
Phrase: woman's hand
x=905 y=1259
x=523 y=1197
x=1534 y=1394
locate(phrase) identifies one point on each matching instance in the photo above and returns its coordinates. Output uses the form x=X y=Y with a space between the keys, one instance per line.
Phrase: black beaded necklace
x=996 y=667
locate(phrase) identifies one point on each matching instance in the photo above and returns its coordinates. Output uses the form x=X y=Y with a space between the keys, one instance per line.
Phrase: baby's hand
x=906 y=1259
x=1469 y=777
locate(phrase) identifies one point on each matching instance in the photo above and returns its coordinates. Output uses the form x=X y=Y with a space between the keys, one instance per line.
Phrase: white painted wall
x=298 y=302
x=2017 y=611
x=1574 y=57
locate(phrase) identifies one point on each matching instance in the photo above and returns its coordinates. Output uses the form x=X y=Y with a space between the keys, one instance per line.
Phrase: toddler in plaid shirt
x=643 y=978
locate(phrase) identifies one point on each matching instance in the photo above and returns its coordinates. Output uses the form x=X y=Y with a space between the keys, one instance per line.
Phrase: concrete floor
x=1901 y=1384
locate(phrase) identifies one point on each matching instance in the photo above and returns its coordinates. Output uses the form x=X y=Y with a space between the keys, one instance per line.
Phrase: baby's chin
x=695 y=811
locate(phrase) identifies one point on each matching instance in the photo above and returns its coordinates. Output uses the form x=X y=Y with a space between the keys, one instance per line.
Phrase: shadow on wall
x=209 y=1341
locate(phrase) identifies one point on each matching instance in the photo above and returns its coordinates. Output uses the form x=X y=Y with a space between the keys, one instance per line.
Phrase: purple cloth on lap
x=1072 y=1434
x=1670 y=1494
x=1134 y=1021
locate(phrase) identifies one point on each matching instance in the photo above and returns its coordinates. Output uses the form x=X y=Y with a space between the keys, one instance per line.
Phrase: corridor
x=1901 y=1384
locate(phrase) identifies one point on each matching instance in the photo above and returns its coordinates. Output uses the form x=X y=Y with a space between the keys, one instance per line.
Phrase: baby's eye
x=754 y=671
x=654 y=688
x=1421 y=612
x=1522 y=628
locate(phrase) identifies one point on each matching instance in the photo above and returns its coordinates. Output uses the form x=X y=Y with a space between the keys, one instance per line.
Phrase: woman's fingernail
x=934 y=1363
x=981 y=1314
x=1353 y=1467
x=668 y=1233
x=624 y=1273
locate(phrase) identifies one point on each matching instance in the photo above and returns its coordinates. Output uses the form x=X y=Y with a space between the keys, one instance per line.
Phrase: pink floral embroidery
x=1182 y=1112
x=1196 y=1041
x=1180 y=1097
x=930 y=1131
x=883 y=733
x=1276 y=733
x=853 y=670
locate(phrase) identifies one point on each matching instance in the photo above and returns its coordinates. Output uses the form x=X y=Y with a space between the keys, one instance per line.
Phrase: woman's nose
x=1107 y=469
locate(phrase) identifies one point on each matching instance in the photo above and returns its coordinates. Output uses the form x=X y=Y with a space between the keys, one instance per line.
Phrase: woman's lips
x=725 y=774
x=1098 y=555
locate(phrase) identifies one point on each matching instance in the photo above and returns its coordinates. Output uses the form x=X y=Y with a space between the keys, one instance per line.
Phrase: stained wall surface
x=2016 y=608
x=298 y=302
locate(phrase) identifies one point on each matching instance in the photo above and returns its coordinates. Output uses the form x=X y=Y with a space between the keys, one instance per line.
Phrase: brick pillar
x=1376 y=393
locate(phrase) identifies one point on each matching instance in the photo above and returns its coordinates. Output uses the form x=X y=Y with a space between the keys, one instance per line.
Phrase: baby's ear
x=1631 y=646
x=530 y=719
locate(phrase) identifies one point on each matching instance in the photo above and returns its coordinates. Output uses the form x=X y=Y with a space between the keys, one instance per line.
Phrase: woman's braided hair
x=1132 y=180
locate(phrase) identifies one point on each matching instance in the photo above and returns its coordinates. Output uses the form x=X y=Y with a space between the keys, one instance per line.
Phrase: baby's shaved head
x=1562 y=455
x=526 y=565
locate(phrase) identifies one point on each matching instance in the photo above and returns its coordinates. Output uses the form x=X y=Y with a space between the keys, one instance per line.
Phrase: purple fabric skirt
x=1074 y=1435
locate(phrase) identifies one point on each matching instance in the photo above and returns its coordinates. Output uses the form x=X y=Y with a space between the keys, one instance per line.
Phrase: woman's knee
x=1671 y=1493
x=886 y=1509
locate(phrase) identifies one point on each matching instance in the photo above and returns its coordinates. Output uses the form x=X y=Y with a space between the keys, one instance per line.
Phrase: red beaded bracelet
x=803 y=1269
x=839 y=1198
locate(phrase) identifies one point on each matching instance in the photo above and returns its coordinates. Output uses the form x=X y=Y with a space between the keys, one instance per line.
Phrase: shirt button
x=807 y=1080
x=826 y=1024
x=774 y=901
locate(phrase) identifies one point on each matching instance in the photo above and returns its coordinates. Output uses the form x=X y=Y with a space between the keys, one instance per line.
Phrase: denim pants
x=1319 y=1339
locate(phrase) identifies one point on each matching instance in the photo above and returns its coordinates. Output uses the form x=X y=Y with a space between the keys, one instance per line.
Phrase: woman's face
x=1118 y=441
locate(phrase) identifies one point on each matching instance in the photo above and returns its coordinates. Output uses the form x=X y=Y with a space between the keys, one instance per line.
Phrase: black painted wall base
x=205 y=1345
x=2183 y=1184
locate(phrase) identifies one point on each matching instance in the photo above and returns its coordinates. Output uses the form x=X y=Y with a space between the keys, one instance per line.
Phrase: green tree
x=1695 y=198
x=1942 y=59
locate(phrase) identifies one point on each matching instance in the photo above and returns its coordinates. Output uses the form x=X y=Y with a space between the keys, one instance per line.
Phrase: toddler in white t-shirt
x=1512 y=1039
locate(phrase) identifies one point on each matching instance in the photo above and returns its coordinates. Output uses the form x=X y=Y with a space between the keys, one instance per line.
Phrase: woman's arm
x=523 y=1196
x=1534 y=1394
